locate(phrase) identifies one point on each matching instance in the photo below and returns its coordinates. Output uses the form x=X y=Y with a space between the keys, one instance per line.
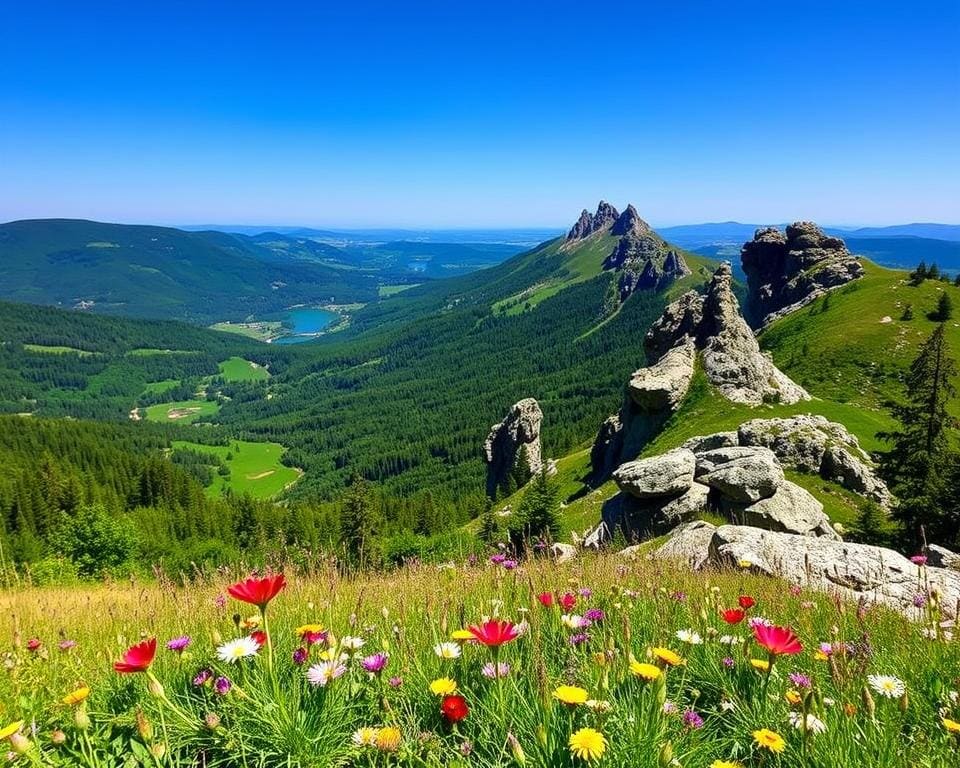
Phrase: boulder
x=702 y=443
x=518 y=435
x=688 y=543
x=788 y=270
x=747 y=477
x=669 y=474
x=841 y=466
x=790 y=510
x=662 y=386
x=941 y=557
x=641 y=518
x=563 y=553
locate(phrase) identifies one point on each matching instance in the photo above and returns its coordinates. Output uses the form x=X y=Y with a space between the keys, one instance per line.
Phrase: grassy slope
x=202 y=408
x=238 y=369
x=255 y=468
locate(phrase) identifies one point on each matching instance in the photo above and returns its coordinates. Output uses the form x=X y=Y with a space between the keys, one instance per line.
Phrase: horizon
x=440 y=118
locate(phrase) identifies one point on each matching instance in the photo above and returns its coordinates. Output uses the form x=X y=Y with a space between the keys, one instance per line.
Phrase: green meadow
x=255 y=468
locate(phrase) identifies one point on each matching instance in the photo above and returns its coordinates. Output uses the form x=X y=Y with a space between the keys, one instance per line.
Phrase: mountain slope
x=159 y=272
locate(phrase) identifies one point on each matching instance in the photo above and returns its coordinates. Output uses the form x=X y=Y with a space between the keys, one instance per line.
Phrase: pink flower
x=777 y=640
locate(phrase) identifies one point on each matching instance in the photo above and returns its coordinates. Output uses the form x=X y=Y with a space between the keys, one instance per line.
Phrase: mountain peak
x=630 y=222
x=587 y=224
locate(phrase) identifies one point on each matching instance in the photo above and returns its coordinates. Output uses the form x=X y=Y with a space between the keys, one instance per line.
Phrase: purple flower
x=509 y=564
x=728 y=662
x=919 y=559
x=66 y=645
x=799 y=679
x=679 y=596
x=826 y=649
x=220 y=601
x=300 y=656
x=669 y=707
x=222 y=686
x=594 y=615
x=493 y=671
x=498 y=558
x=202 y=677
x=471 y=560
x=919 y=600
x=586 y=593
x=579 y=638
x=375 y=663
x=395 y=682
x=179 y=644
x=692 y=720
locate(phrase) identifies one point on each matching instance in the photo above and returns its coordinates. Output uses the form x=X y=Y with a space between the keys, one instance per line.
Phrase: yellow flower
x=6 y=733
x=443 y=686
x=820 y=656
x=951 y=725
x=793 y=697
x=761 y=665
x=77 y=696
x=570 y=694
x=745 y=564
x=668 y=657
x=366 y=737
x=769 y=740
x=388 y=739
x=461 y=635
x=648 y=672
x=314 y=629
x=251 y=622
x=726 y=764
x=587 y=744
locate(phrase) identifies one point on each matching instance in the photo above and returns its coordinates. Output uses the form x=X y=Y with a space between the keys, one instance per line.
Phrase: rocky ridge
x=787 y=270
x=518 y=435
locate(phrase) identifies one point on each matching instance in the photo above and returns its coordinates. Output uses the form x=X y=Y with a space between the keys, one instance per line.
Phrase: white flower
x=689 y=636
x=234 y=650
x=366 y=737
x=352 y=643
x=814 y=724
x=598 y=705
x=727 y=706
x=447 y=650
x=571 y=621
x=887 y=685
x=759 y=621
x=730 y=639
x=324 y=672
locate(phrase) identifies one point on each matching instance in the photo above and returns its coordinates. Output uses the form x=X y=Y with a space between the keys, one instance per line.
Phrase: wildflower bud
x=143 y=726
x=516 y=749
x=212 y=720
x=666 y=755
x=542 y=735
x=81 y=719
x=158 y=750
x=904 y=702
x=661 y=689
x=155 y=688
x=216 y=637
x=868 y=702
x=58 y=737
x=20 y=743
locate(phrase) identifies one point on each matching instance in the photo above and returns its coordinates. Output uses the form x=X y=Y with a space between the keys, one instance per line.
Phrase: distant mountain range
x=698 y=235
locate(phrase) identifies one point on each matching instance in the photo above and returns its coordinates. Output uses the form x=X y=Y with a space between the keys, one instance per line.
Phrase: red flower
x=260 y=637
x=733 y=615
x=777 y=640
x=258 y=592
x=746 y=602
x=454 y=708
x=494 y=633
x=137 y=658
x=33 y=644
x=546 y=599
x=567 y=601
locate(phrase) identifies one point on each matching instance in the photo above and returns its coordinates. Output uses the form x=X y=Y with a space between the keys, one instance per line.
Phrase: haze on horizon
x=493 y=116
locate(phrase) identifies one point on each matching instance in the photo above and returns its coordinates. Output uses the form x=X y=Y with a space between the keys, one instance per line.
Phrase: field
x=385 y=291
x=238 y=369
x=57 y=350
x=261 y=330
x=159 y=387
x=255 y=468
x=616 y=663
x=183 y=411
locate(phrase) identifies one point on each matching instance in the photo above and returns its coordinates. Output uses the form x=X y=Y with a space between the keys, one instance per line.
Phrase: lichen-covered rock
x=703 y=443
x=518 y=435
x=744 y=477
x=669 y=474
x=641 y=518
x=787 y=270
x=663 y=385
x=791 y=509
x=688 y=543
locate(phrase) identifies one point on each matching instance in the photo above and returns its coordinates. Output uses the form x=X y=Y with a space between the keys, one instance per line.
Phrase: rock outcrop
x=663 y=385
x=589 y=223
x=787 y=270
x=513 y=441
x=669 y=474
x=731 y=356
x=856 y=572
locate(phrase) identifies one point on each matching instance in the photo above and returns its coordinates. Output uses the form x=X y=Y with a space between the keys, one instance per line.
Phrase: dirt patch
x=261 y=475
x=181 y=413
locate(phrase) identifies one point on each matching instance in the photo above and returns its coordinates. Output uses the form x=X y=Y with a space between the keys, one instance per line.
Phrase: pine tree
x=357 y=523
x=921 y=464
x=538 y=514
x=489 y=527
x=871 y=523
x=919 y=274
x=944 y=307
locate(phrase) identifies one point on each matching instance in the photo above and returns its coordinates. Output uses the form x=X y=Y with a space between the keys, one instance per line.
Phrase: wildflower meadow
x=595 y=662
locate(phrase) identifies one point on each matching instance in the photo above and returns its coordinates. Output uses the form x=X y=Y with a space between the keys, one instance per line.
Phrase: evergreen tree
x=538 y=514
x=489 y=527
x=921 y=465
x=871 y=524
x=919 y=274
x=933 y=272
x=357 y=524
x=944 y=307
x=907 y=313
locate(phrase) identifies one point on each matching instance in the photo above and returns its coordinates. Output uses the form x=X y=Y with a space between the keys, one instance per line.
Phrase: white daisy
x=887 y=685
x=571 y=621
x=234 y=650
x=352 y=643
x=325 y=672
x=730 y=639
x=814 y=723
x=689 y=637
x=447 y=650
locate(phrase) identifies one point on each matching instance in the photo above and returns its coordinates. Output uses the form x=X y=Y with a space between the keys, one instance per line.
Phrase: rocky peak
x=516 y=437
x=630 y=222
x=587 y=224
x=787 y=270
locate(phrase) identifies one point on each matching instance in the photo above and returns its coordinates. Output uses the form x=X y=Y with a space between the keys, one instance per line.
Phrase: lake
x=305 y=323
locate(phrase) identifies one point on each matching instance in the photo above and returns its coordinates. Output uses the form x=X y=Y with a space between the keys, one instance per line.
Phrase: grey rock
x=702 y=443
x=641 y=518
x=747 y=477
x=518 y=433
x=563 y=553
x=669 y=474
x=587 y=224
x=663 y=385
x=841 y=466
x=707 y=461
x=790 y=510
x=689 y=543
x=787 y=270
x=607 y=447
x=682 y=317
x=941 y=557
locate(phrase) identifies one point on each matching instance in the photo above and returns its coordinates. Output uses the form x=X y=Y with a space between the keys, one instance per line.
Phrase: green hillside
x=160 y=272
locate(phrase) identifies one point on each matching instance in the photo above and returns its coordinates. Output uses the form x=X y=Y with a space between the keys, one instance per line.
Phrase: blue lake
x=305 y=323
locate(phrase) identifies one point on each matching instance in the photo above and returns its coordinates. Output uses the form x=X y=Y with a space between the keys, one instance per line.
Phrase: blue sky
x=489 y=114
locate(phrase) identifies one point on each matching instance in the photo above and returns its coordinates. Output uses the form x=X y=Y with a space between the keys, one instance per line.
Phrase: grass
x=150 y=351
x=264 y=330
x=183 y=411
x=238 y=369
x=385 y=291
x=272 y=716
x=45 y=349
x=255 y=468
x=159 y=387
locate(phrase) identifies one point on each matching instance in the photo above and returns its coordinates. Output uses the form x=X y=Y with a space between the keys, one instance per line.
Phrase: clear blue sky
x=479 y=114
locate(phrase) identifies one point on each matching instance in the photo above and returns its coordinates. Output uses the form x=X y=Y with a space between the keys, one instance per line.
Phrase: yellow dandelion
x=570 y=694
x=443 y=686
x=820 y=656
x=951 y=725
x=6 y=733
x=761 y=665
x=726 y=764
x=648 y=672
x=75 y=697
x=461 y=635
x=311 y=629
x=587 y=744
x=668 y=657
x=769 y=740
x=793 y=697
x=388 y=739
